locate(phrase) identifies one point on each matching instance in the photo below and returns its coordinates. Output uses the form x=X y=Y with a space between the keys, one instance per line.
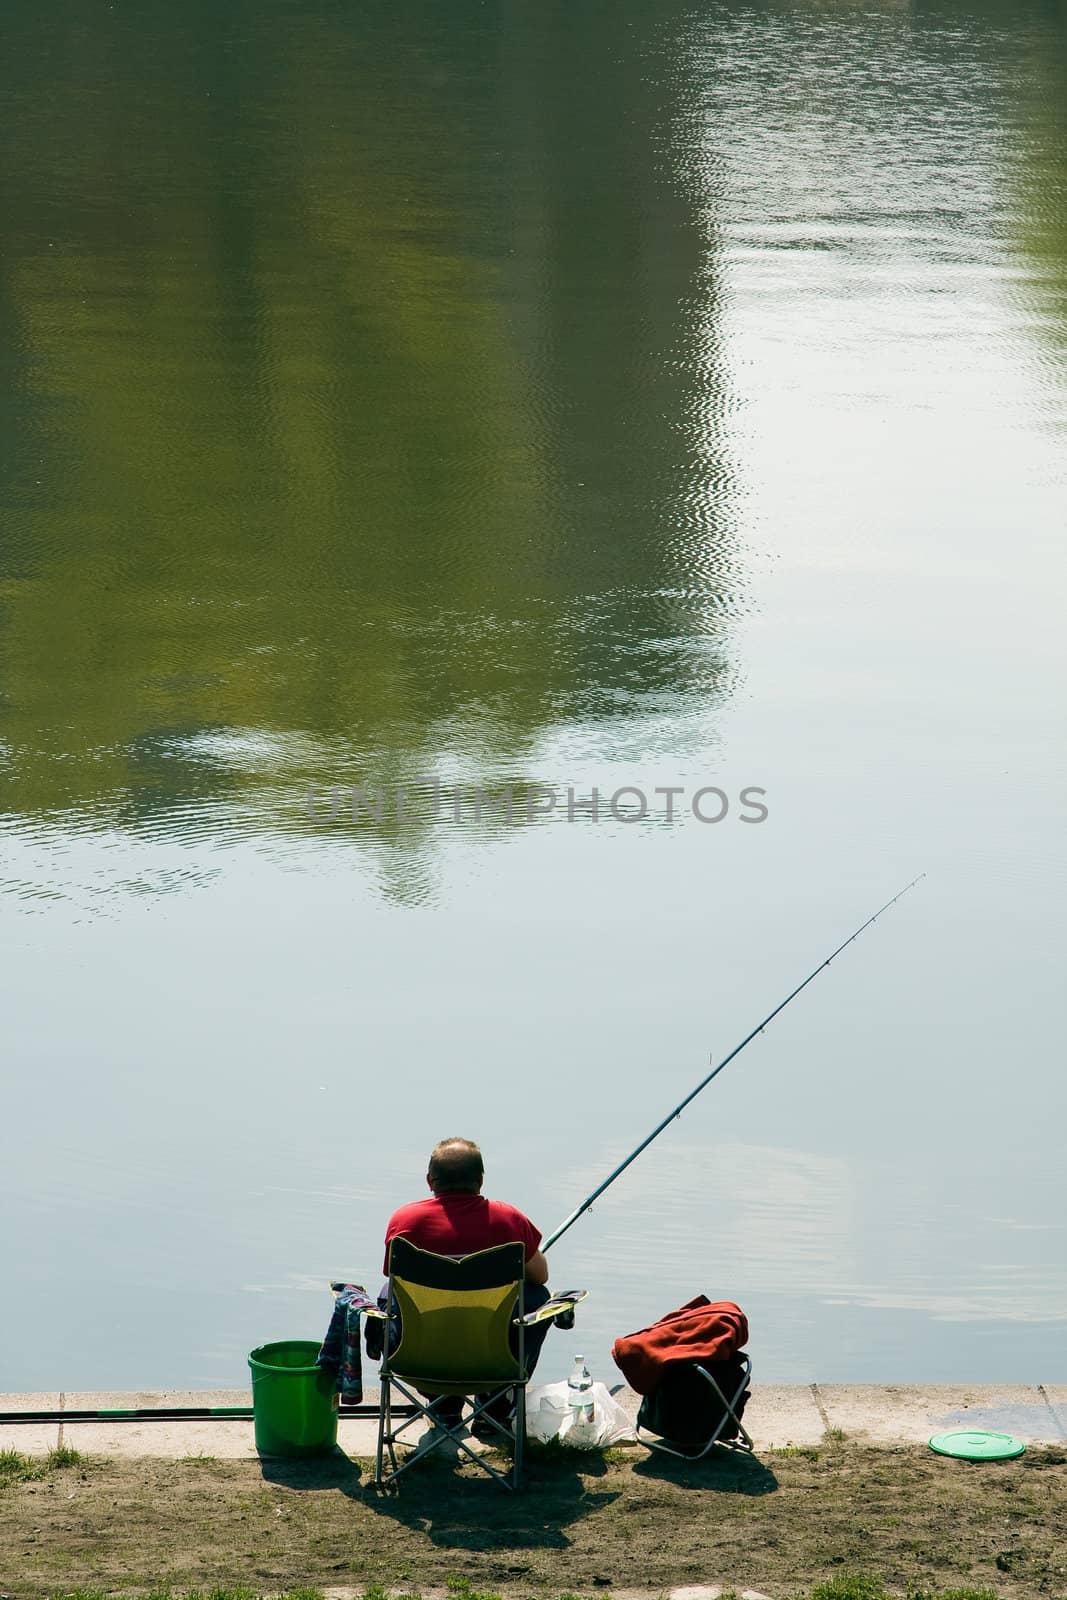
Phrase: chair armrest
x=564 y=1300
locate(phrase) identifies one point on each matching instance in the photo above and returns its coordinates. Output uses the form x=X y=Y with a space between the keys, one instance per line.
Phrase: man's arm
x=537 y=1268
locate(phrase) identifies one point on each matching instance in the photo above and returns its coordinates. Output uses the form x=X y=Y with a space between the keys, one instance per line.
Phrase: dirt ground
x=582 y=1524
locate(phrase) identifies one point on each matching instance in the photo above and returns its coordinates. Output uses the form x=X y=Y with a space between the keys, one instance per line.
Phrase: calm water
x=533 y=397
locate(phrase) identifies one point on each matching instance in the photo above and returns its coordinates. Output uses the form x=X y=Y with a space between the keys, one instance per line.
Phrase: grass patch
x=17 y=1468
x=557 y=1449
x=198 y=1594
x=812 y=1522
x=954 y=1594
x=845 y=1587
x=856 y=1586
x=463 y=1590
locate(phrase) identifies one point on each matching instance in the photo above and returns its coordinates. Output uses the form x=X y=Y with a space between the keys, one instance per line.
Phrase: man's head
x=455 y=1167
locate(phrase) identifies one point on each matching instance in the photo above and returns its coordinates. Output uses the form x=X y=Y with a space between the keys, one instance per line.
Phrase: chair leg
x=729 y=1415
x=421 y=1409
x=520 y=1434
x=383 y=1423
x=386 y=1435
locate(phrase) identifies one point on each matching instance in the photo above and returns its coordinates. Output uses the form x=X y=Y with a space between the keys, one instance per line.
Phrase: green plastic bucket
x=294 y=1402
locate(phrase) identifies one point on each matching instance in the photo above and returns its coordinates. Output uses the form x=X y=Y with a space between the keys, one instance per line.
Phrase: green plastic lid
x=972 y=1446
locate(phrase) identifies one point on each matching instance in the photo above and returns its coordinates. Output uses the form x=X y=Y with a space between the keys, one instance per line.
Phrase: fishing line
x=587 y=1203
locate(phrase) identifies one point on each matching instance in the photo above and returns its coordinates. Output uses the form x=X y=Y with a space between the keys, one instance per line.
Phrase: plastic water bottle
x=580 y=1392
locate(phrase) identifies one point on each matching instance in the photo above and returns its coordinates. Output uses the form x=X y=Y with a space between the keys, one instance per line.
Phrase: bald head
x=455 y=1167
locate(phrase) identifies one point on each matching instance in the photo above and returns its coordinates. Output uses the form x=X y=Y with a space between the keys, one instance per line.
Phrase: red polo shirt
x=460 y=1224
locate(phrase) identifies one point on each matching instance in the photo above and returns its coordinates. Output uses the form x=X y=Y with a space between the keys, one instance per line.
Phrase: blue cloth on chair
x=340 y=1353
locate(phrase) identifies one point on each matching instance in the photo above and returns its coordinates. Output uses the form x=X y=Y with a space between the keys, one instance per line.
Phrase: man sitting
x=457 y=1220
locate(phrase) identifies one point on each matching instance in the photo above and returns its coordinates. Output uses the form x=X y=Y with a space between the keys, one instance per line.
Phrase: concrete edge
x=778 y=1416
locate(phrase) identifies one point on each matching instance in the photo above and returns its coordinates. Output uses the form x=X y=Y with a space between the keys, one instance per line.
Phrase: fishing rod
x=587 y=1203
x=172 y=1414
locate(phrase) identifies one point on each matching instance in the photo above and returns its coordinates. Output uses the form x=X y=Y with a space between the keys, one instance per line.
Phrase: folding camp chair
x=696 y=1406
x=455 y=1322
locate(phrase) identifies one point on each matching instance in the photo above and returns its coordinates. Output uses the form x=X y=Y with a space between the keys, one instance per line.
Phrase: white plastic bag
x=549 y=1416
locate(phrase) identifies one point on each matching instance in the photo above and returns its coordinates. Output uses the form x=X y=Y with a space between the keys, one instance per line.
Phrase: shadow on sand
x=334 y=1470
x=723 y=1471
x=455 y=1507
x=460 y=1508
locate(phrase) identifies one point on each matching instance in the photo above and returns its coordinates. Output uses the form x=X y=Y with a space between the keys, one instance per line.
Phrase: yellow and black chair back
x=455 y=1338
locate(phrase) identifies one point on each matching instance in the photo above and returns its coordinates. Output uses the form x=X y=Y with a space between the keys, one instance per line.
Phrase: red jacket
x=698 y=1331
